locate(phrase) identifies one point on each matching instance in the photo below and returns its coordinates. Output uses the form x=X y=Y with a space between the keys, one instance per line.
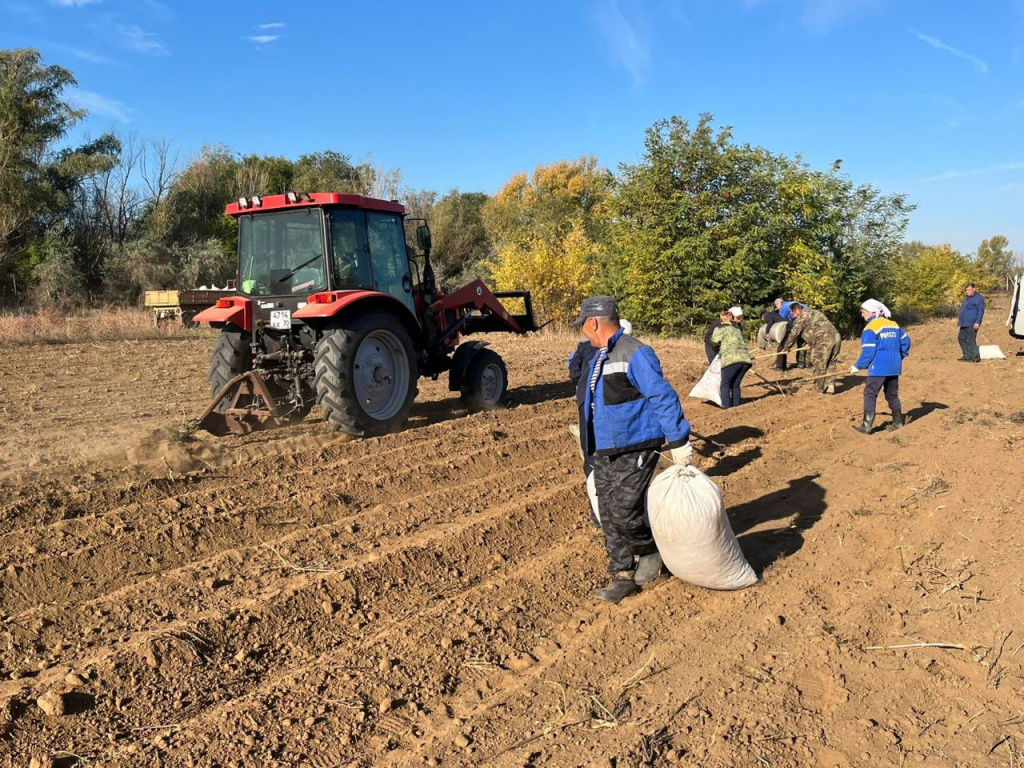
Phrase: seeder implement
x=252 y=407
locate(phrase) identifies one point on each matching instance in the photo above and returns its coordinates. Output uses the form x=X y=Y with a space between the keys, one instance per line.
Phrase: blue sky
x=923 y=97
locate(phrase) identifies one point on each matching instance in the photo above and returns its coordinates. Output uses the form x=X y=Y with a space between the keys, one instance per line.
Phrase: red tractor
x=332 y=309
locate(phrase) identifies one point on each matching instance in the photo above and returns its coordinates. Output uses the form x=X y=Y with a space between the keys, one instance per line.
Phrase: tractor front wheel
x=365 y=375
x=485 y=383
x=232 y=355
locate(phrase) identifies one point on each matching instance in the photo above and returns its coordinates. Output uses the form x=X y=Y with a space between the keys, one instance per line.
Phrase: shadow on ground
x=803 y=498
x=438 y=411
x=923 y=410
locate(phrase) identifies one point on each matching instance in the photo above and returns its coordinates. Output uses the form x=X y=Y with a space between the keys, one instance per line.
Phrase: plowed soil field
x=426 y=598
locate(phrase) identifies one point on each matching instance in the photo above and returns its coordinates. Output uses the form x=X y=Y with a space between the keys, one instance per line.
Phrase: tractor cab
x=292 y=246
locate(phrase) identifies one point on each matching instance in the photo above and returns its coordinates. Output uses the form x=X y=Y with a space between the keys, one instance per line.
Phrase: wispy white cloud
x=980 y=65
x=625 y=41
x=821 y=16
x=139 y=40
x=263 y=39
x=73 y=3
x=272 y=25
x=82 y=53
x=100 y=105
x=157 y=10
x=966 y=173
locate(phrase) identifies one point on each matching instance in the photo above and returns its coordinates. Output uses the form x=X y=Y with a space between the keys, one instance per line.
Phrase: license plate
x=281 y=319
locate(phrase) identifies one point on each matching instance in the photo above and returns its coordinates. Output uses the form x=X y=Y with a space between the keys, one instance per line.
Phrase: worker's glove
x=683 y=455
x=854 y=369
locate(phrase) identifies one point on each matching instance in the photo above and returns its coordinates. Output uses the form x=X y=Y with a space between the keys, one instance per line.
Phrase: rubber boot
x=869 y=420
x=897 y=419
x=620 y=587
x=648 y=569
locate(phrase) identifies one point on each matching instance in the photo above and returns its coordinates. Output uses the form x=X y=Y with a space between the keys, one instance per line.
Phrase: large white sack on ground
x=693 y=533
x=990 y=352
x=710 y=385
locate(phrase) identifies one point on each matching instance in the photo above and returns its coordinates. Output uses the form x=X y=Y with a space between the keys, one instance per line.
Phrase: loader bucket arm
x=491 y=316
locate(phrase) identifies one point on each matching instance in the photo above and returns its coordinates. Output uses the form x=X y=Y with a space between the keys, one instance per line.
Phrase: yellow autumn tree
x=559 y=274
x=549 y=230
x=929 y=278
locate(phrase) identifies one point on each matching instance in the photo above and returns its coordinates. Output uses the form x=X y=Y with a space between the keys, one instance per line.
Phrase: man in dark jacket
x=628 y=411
x=972 y=310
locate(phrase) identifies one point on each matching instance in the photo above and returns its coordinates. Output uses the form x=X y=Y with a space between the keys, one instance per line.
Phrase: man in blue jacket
x=972 y=310
x=627 y=412
x=883 y=346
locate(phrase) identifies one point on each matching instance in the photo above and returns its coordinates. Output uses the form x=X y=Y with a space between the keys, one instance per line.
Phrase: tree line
x=701 y=222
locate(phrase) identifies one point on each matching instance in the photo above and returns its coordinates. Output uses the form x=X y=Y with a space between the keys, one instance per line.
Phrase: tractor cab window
x=282 y=254
x=349 y=250
x=390 y=259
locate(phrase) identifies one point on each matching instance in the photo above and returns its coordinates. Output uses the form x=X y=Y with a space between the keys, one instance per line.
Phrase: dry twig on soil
x=905 y=646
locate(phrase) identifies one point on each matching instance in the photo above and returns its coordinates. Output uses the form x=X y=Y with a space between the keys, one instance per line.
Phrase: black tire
x=485 y=383
x=232 y=355
x=365 y=375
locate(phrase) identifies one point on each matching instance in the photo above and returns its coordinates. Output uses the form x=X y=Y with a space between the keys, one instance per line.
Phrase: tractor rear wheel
x=232 y=355
x=365 y=375
x=485 y=383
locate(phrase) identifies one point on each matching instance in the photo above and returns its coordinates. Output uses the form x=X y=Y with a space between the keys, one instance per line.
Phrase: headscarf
x=627 y=327
x=736 y=312
x=875 y=307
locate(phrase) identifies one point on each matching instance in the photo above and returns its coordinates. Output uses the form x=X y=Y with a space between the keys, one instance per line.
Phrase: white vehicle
x=1015 y=322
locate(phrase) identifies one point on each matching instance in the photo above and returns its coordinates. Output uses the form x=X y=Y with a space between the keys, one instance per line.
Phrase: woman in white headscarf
x=883 y=346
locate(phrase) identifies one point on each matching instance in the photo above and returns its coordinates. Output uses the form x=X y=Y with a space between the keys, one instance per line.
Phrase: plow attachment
x=252 y=407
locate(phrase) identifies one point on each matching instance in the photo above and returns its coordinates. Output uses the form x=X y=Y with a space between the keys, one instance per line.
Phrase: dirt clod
x=52 y=704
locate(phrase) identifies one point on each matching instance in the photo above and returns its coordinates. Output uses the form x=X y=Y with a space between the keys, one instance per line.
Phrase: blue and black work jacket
x=631 y=407
x=883 y=345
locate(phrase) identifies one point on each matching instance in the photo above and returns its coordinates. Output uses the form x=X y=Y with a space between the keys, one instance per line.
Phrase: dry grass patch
x=51 y=326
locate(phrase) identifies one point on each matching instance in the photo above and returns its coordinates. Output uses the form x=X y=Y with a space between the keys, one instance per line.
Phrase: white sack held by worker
x=710 y=385
x=692 y=531
x=592 y=494
x=762 y=337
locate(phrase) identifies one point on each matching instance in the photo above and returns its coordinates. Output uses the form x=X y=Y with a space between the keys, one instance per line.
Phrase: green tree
x=460 y=239
x=993 y=264
x=58 y=280
x=326 y=171
x=702 y=223
x=33 y=116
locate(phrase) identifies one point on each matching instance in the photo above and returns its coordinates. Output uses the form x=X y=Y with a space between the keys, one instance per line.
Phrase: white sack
x=762 y=337
x=778 y=332
x=692 y=531
x=592 y=493
x=710 y=385
x=990 y=352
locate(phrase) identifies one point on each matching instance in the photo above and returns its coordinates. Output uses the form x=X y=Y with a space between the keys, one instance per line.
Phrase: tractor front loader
x=328 y=312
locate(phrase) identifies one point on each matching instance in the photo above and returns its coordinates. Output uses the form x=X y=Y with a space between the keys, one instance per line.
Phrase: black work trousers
x=891 y=385
x=968 y=338
x=621 y=482
x=732 y=377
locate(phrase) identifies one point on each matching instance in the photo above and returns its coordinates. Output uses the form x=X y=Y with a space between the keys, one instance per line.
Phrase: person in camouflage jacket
x=824 y=340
